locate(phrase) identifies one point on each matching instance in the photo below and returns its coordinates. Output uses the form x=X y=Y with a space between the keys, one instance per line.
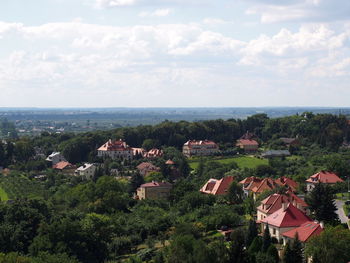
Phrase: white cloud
x=273 y=11
x=215 y=21
x=114 y=3
x=157 y=12
x=75 y=63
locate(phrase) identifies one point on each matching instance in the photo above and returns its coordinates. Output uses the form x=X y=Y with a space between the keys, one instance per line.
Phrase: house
x=55 y=158
x=284 y=219
x=154 y=190
x=287 y=182
x=275 y=202
x=305 y=231
x=255 y=185
x=115 y=150
x=249 y=183
x=154 y=153
x=65 y=167
x=275 y=153
x=248 y=145
x=290 y=141
x=199 y=148
x=217 y=187
x=138 y=152
x=87 y=170
x=324 y=177
x=145 y=168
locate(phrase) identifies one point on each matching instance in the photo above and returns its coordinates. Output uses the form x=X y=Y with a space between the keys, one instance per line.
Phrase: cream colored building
x=154 y=191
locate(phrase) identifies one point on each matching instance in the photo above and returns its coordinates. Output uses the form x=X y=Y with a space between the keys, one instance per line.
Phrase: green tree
x=235 y=193
x=272 y=252
x=266 y=242
x=331 y=246
x=288 y=254
x=297 y=250
x=252 y=233
x=237 y=252
x=322 y=204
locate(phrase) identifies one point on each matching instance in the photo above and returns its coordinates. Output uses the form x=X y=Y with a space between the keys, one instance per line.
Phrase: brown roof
x=147 y=166
x=285 y=181
x=170 y=162
x=156 y=184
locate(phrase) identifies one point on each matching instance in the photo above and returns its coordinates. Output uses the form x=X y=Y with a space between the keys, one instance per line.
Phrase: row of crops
x=19 y=186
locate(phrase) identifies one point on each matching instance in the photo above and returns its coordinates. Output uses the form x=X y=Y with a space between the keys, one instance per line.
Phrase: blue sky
x=178 y=53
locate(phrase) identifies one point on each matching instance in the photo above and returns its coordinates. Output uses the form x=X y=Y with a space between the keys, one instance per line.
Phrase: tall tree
x=251 y=233
x=266 y=239
x=322 y=204
x=297 y=250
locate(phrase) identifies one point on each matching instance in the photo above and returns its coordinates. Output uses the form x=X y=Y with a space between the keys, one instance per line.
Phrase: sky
x=174 y=53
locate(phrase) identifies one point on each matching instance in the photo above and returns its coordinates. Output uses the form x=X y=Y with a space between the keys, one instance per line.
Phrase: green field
x=242 y=162
x=19 y=186
x=3 y=195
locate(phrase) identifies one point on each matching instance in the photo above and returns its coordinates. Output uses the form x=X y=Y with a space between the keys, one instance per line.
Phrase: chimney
x=284 y=206
x=322 y=224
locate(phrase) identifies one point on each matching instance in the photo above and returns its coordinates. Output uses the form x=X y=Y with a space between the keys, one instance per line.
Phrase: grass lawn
x=242 y=162
x=3 y=195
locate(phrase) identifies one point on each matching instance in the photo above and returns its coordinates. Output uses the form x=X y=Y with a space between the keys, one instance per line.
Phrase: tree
x=235 y=193
x=237 y=253
x=331 y=246
x=252 y=233
x=321 y=201
x=266 y=242
x=273 y=253
x=297 y=250
x=288 y=254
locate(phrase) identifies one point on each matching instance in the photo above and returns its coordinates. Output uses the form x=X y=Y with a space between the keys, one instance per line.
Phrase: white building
x=87 y=170
x=115 y=150
x=55 y=158
x=199 y=148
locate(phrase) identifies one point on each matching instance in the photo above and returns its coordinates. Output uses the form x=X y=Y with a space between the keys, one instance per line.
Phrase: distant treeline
x=326 y=130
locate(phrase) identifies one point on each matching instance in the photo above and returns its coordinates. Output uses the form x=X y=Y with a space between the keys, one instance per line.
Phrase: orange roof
x=217 y=187
x=154 y=153
x=115 y=146
x=286 y=217
x=305 y=231
x=324 y=177
x=63 y=165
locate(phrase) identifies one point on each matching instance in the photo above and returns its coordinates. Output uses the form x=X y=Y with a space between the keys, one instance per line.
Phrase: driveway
x=343 y=218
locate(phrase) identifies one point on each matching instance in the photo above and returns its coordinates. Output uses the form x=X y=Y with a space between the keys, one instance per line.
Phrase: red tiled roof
x=156 y=184
x=274 y=202
x=305 y=231
x=154 y=153
x=289 y=217
x=266 y=185
x=285 y=181
x=324 y=177
x=62 y=165
x=217 y=187
x=115 y=146
x=200 y=142
x=250 y=182
x=247 y=142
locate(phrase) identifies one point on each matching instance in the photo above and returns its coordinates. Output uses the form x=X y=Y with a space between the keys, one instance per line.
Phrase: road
x=343 y=218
